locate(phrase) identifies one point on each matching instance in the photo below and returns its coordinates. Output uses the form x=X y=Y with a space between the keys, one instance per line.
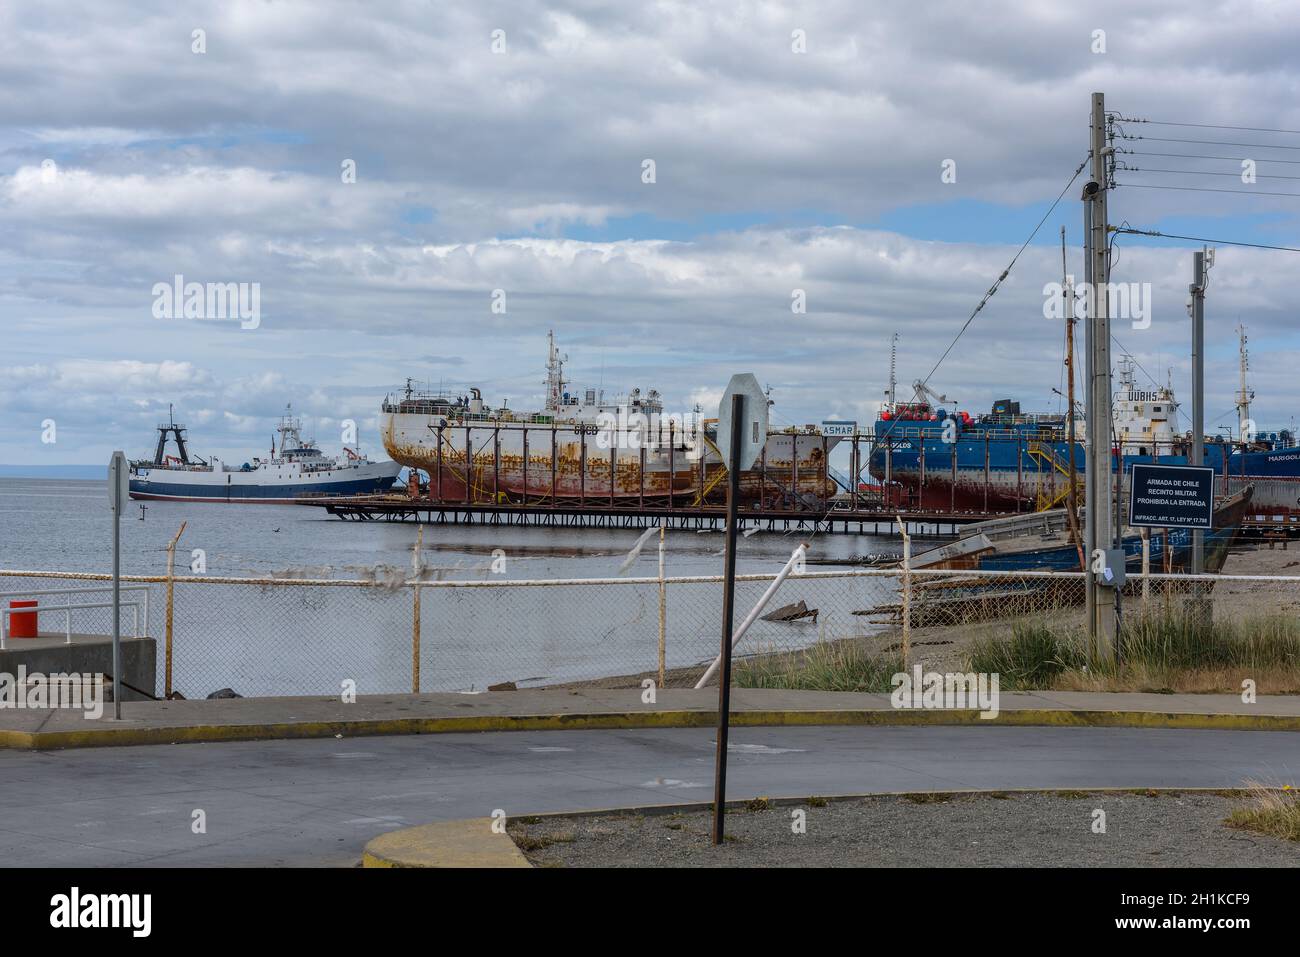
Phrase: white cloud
x=191 y=196
x=226 y=167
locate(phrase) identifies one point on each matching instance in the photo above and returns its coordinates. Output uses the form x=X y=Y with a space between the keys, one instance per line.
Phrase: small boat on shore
x=1043 y=542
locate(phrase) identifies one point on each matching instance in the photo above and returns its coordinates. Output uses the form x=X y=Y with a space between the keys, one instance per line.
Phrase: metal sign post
x=742 y=433
x=119 y=496
x=754 y=435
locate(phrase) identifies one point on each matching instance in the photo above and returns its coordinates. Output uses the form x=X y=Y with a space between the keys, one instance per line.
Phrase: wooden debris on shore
x=796 y=612
x=967 y=599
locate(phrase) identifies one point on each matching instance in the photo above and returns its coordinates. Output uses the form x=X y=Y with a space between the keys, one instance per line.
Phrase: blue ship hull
x=1019 y=464
x=263 y=494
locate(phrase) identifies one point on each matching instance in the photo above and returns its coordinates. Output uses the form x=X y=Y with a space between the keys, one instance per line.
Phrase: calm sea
x=65 y=525
x=278 y=640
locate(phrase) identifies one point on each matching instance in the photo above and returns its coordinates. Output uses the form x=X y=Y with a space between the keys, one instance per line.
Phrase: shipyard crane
x=922 y=390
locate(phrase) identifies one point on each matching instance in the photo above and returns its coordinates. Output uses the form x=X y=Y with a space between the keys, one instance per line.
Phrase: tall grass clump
x=1166 y=649
x=1273 y=811
x=1180 y=640
x=1032 y=656
x=826 y=666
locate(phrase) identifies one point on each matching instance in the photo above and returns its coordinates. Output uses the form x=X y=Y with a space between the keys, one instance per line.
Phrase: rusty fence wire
x=279 y=636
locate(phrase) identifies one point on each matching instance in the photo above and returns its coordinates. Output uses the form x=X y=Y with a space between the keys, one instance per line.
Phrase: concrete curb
x=687 y=807
x=466 y=843
x=472 y=843
x=123 y=735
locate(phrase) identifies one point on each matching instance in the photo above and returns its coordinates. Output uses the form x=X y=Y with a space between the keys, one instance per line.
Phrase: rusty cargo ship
x=580 y=447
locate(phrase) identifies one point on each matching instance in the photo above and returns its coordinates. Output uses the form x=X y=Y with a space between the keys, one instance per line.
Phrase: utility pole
x=1089 y=466
x=1102 y=624
x=1072 y=498
x=1201 y=261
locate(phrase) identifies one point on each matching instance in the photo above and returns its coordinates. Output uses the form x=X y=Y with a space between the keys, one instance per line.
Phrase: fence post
x=1146 y=566
x=663 y=609
x=907 y=591
x=167 y=640
x=417 y=564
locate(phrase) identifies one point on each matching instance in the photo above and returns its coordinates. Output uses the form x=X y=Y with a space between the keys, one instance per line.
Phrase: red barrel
x=22 y=624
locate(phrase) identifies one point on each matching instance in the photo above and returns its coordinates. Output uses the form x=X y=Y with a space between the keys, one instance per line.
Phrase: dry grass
x=826 y=666
x=1163 y=651
x=1273 y=811
x=526 y=842
x=929 y=797
x=1148 y=678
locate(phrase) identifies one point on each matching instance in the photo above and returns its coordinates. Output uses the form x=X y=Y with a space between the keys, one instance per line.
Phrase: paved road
x=318 y=802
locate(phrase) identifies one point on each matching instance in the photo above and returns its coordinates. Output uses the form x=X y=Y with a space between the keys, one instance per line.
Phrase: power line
x=998 y=282
x=1124 y=350
x=1196 y=172
x=1177 y=407
x=1208 y=189
x=1203 y=126
x=1166 y=139
x=1202 y=239
x=1234 y=159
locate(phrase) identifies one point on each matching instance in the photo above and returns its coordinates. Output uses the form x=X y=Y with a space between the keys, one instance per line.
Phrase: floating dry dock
x=832 y=518
x=395 y=508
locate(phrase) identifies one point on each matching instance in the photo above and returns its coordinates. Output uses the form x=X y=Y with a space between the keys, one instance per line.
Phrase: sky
x=383 y=175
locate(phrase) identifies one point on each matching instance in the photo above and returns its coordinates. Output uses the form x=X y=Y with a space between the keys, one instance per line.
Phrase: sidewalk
x=245 y=719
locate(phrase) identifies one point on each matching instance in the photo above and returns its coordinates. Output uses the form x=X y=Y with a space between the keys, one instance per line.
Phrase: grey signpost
x=742 y=433
x=119 y=488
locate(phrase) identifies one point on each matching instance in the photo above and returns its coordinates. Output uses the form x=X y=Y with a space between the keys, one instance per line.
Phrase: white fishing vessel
x=298 y=469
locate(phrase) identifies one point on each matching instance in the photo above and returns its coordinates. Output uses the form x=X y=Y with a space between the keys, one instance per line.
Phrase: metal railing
x=137 y=608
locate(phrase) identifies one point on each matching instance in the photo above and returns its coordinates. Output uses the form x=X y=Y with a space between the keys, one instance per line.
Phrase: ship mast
x=1244 y=395
x=289 y=429
x=893 y=370
x=170 y=427
x=554 y=373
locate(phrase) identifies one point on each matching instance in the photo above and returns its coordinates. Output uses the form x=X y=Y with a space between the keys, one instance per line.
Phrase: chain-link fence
x=264 y=637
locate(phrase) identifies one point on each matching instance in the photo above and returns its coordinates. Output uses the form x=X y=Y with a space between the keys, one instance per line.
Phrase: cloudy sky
x=503 y=146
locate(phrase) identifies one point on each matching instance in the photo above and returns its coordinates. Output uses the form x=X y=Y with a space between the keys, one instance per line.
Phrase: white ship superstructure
x=1144 y=418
